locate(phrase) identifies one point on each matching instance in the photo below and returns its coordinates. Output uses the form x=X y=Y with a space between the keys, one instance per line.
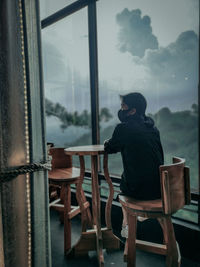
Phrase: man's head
x=134 y=102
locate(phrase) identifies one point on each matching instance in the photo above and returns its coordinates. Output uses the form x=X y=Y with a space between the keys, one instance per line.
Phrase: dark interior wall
x=13 y=145
x=23 y=199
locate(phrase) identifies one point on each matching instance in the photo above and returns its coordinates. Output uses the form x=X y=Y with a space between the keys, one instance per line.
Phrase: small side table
x=97 y=238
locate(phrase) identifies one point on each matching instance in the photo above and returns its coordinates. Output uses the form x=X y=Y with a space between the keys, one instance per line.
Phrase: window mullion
x=94 y=85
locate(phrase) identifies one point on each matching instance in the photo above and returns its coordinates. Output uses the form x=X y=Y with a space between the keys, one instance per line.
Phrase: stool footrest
x=148 y=247
x=56 y=205
x=77 y=210
x=74 y=211
x=151 y=247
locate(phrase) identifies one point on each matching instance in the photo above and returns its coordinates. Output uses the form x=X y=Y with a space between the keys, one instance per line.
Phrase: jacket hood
x=148 y=121
x=141 y=119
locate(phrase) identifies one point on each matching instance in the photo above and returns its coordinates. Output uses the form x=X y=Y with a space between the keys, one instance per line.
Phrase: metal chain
x=9 y=174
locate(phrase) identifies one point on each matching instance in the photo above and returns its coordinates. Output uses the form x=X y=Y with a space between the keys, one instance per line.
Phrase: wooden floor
x=111 y=259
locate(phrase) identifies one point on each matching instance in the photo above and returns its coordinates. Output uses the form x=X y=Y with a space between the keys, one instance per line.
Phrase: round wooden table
x=96 y=238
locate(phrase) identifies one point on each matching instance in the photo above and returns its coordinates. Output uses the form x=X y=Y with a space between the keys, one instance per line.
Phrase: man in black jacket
x=138 y=140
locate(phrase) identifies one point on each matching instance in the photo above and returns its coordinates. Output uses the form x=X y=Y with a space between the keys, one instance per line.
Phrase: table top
x=85 y=150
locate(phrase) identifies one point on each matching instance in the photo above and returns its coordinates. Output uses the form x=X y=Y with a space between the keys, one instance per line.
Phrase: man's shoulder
x=121 y=126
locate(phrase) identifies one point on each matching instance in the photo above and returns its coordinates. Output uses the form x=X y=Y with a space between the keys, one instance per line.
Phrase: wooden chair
x=175 y=193
x=61 y=177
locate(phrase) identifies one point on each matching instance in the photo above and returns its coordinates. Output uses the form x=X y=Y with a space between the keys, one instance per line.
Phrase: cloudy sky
x=149 y=46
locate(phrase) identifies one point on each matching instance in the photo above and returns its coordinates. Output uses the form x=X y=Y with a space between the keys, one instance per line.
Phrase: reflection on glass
x=189 y=214
x=66 y=81
x=152 y=49
x=48 y=7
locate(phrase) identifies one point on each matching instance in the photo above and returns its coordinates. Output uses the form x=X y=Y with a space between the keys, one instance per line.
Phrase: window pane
x=151 y=47
x=189 y=213
x=48 y=7
x=66 y=81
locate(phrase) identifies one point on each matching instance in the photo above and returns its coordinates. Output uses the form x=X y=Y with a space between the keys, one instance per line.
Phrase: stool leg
x=67 y=221
x=62 y=196
x=132 y=229
x=172 y=257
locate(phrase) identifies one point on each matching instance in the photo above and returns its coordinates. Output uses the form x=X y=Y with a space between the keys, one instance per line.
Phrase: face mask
x=123 y=115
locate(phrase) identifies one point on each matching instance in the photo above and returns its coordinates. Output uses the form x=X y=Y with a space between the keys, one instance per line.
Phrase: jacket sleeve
x=113 y=145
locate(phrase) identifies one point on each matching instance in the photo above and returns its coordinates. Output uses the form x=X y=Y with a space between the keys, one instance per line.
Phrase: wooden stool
x=175 y=193
x=61 y=177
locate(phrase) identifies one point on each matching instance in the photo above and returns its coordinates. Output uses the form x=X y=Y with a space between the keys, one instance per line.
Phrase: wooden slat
x=58 y=207
x=146 y=246
x=175 y=197
x=126 y=251
x=132 y=231
x=77 y=210
x=54 y=202
x=59 y=158
x=151 y=247
x=187 y=185
x=166 y=192
x=67 y=222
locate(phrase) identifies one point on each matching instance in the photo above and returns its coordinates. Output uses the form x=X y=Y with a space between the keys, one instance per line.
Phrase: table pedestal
x=97 y=238
x=88 y=242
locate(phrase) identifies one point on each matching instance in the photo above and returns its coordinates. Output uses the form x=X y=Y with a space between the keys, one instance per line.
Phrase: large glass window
x=151 y=47
x=148 y=46
x=66 y=81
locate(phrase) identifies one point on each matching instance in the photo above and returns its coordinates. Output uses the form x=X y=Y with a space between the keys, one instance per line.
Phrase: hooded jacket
x=138 y=140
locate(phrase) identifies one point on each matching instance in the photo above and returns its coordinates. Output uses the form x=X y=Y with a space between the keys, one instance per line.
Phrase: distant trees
x=195 y=108
x=178 y=131
x=179 y=135
x=105 y=114
x=68 y=118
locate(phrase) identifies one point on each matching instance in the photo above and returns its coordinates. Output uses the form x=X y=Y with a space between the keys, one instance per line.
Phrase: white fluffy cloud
x=177 y=62
x=171 y=76
x=135 y=34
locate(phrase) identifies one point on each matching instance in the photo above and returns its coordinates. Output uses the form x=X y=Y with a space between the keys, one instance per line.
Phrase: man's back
x=138 y=140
